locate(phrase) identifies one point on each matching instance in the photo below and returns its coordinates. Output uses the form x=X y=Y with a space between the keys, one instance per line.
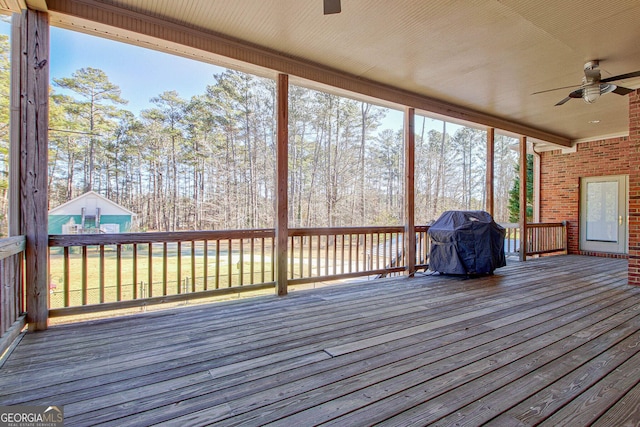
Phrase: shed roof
x=106 y=205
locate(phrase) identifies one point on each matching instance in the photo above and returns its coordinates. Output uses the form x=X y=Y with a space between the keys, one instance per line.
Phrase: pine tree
x=514 y=194
x=95 y=108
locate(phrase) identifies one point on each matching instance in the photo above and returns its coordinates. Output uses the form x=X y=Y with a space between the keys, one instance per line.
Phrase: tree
x=209 y=162
x=5 y=68
x=514 y=194
x=506 y=159
x=95 y=108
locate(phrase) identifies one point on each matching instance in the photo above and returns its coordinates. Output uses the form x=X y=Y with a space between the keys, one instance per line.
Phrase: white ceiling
x=483 y=55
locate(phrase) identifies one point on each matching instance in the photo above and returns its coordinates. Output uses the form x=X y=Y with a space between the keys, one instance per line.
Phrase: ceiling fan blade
x=621 y=77
x=622 y=90
x=568 y=98
x=331 y=6
x=551 y=90
x=574 y=94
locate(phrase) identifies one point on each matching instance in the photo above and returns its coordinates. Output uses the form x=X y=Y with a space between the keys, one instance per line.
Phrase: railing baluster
x=326 y=254
x=135 y=270
x=230 y=263
x=205 y=265
x=165 y=273
x=217 y=275
x=85 y=286
x=357 y=263
x=118 y=273
x=318 y=256
x=301 y=256
x=335 y=254
x=350 y=255
x=193 y=266
x=66 y=270
x=251 y=261
x=309 y=252
x=273 y=259
x=262 y=260
x=101 y=273
x=179 y=266
x=387 y=261
x=150 y=269
x=291 y=251
x=241 y=264
x=341 y=254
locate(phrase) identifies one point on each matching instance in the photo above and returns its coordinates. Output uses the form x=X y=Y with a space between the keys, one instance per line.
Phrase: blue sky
x=140 y=73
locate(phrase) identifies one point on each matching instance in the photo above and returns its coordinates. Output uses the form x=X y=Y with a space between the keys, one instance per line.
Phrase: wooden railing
x=546 y=238
x=99 y=272
x=423 y=246
x=317 y=254
x=542 y=238
x=511 y=238
x=12 y=317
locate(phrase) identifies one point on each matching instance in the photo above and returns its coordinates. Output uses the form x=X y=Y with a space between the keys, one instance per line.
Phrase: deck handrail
x=546 y=238
x=337 y=253
x=97 y=262
x=12 y=310
x=98 y=272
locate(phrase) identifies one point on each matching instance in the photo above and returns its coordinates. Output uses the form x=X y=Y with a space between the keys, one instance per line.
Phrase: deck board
x=557 y=333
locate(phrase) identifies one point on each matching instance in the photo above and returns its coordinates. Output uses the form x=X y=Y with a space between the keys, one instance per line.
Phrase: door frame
x=622 y=245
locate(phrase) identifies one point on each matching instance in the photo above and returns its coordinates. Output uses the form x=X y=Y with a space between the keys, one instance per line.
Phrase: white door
x=603 y=214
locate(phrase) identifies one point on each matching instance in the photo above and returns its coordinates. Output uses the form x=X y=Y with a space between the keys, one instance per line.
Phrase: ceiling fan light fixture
x=591 y=93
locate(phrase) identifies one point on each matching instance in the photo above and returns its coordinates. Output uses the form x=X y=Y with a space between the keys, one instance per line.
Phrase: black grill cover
x=466 y=242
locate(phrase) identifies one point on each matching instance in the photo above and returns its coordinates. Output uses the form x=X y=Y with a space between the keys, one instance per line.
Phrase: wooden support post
x=34 y=123
x=409 y=181
x=491 y=158
x=523 y=198
x=282 y=203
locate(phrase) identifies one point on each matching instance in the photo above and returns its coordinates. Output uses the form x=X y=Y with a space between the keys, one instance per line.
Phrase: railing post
x=282 y=207
x=409 y=162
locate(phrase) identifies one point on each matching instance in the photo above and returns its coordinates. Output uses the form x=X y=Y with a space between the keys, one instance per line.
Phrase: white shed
x=90 y=213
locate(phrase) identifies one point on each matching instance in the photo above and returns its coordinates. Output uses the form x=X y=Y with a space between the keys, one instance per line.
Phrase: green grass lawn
x=135 y=280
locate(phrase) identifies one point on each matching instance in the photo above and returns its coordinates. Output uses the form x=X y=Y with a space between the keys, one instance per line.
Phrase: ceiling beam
x=14 y=6
x=132 y=27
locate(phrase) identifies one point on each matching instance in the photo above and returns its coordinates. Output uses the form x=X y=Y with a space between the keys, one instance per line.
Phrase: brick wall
x=560 y=179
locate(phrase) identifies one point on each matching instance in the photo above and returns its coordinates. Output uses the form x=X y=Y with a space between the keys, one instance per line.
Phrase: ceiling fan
x=593 y=86
x=331 y=6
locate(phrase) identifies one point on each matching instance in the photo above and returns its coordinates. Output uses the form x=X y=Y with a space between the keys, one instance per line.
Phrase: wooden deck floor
x=554 y=341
